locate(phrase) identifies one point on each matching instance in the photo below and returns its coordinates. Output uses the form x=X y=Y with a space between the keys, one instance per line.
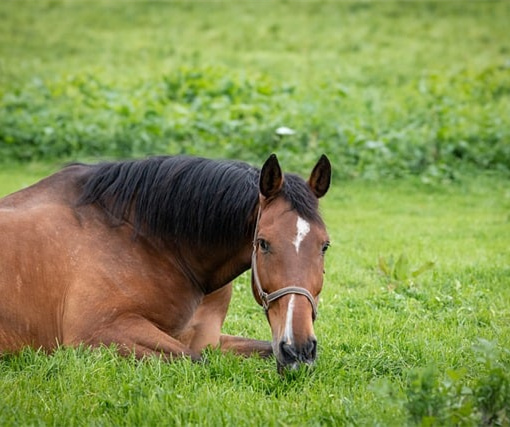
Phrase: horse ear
x=320 y=179
x=271 y=178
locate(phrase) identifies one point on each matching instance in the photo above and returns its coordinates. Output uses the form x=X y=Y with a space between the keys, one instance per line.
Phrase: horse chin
x=282 y=369
x=289 y=368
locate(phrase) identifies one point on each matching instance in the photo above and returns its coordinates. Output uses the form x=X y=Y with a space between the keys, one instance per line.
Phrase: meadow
x=424 y=341
x=410 y=100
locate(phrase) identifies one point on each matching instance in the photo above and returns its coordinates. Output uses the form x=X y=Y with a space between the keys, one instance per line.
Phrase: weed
x=399 y=272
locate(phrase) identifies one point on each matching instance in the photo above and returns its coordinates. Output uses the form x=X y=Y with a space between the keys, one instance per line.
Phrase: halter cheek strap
x=266 y=298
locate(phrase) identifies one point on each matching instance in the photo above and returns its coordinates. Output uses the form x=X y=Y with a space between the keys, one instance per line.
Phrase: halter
x=266 y=298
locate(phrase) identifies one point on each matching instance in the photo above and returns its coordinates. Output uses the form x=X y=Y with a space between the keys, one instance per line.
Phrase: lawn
x=393 y=349
x=411 y=102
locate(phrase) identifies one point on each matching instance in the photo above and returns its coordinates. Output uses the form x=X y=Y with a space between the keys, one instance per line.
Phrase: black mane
x=187 y=198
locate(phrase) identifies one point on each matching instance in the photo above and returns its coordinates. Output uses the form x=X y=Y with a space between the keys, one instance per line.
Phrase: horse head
x=288 y=258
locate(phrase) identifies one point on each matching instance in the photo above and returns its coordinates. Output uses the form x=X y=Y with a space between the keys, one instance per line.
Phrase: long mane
x=190 y=199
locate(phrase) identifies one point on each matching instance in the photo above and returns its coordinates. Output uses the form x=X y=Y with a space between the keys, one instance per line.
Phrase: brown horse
x=141 y=254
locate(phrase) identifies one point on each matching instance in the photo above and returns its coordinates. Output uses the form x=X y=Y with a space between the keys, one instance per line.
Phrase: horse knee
x=205 y=327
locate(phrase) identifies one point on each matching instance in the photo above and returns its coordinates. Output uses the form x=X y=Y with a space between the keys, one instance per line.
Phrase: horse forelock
x=301 y=198
x=191 y=199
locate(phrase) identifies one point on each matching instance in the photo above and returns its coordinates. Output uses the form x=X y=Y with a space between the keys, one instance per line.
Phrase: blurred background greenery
x=386 y=89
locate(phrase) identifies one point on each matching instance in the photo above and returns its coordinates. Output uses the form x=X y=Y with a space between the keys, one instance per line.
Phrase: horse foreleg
x=136 y=335
x=205 y=328
x=245 y=346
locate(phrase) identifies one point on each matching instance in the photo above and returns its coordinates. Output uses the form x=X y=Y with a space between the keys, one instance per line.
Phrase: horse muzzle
x=293 y=355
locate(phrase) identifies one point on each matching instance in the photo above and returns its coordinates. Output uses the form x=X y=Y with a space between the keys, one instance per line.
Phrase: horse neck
x=209 y=268
x=212 y=268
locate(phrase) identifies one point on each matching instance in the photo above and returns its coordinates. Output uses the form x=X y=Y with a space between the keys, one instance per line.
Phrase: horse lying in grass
x=141 y=254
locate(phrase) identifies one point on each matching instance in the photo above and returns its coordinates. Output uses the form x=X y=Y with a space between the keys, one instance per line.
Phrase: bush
x=429 y=127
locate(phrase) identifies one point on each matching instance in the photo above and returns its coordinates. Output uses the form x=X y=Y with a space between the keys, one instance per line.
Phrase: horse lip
x=289 y=358
x=293 y=366
x=289 y=367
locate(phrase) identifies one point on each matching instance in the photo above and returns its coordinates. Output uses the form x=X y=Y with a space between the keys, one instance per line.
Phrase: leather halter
x=268 y=298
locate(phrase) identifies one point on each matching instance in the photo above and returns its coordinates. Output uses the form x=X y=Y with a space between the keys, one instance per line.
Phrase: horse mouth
x=290 y=358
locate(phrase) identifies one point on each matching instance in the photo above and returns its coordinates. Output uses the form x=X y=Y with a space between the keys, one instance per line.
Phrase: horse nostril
x=305 y=353
x=288 y=351
x=311 y=349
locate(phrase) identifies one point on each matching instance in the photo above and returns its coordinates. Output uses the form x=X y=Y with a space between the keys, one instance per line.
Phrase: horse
x=141 y=255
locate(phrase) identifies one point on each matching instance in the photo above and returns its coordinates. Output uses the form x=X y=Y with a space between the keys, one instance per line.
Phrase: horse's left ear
x=320 y=179
x=271 y=178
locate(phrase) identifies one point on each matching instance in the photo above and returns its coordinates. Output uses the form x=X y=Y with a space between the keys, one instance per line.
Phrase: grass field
x=412 y=99
x=394 y=349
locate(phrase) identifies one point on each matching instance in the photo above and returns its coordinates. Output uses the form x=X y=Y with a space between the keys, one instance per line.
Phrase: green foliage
x=189 y=112
x=492 y=390
x=218 y=112
x=164 y=77
x=457 y=399
x=400 y=270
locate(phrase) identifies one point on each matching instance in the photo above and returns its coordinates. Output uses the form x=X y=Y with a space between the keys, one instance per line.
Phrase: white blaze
x=303 y=228
x=288 y=334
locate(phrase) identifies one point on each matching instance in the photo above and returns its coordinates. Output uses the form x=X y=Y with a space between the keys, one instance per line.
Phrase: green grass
x=432 y=350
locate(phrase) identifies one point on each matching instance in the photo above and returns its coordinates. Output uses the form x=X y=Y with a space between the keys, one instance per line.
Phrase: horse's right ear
x=271 y=178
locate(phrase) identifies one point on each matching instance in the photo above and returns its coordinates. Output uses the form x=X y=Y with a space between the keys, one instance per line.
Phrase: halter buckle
x=264 y=298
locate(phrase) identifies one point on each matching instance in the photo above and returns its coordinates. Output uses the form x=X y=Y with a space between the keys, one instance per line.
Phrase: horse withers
x=141 y=254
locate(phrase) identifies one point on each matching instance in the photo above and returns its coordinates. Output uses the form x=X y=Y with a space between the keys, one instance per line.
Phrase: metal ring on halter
x=266 y=298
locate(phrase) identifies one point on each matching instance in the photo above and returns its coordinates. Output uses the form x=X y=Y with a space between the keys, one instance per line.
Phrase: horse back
x=60 y=188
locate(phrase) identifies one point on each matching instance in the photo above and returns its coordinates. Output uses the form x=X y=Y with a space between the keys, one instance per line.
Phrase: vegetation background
x=411 y=102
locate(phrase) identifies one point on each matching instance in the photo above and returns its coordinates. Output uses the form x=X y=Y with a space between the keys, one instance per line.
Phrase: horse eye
x=325 y=247
x=264 y=245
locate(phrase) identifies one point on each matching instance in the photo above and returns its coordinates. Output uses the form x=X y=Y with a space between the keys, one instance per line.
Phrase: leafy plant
x=492 y=390
x=454 y=401
x=400 y=270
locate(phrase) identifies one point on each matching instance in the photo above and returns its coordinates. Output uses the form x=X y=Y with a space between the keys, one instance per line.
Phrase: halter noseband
x=266 y=298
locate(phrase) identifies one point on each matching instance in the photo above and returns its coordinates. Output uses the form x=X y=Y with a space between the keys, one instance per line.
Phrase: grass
x=433 y=350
